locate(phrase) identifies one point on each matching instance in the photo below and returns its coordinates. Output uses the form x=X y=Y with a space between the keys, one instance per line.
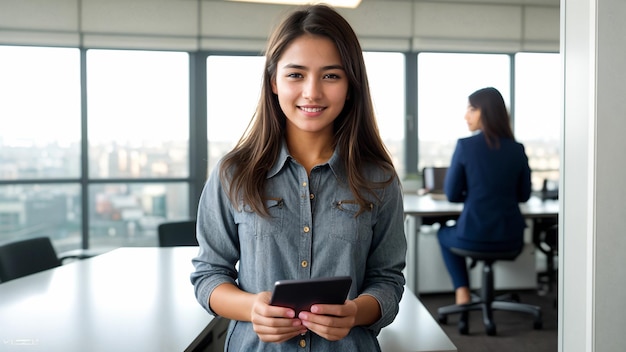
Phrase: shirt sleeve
x=384 y=279
x=218 y=240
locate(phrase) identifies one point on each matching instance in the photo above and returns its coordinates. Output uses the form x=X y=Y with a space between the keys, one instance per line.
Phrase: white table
x=129 y=299
x=418 y=206
x=414 y=329
x=141 y=299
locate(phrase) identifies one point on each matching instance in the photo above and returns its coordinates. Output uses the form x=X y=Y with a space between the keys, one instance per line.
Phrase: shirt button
x=304 y=263
x=303 y=343
x=306 y=229
x=312 y=196
x=303 y=184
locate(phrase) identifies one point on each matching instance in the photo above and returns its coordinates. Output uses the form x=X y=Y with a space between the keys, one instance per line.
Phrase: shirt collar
x=281 y=161
x=335 y=163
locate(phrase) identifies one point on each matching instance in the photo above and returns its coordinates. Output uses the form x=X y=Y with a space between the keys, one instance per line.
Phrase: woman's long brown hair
x=495 y=119
x=243 y=170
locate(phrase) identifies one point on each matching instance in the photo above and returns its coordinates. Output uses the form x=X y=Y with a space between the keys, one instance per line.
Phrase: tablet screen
x=302 y=294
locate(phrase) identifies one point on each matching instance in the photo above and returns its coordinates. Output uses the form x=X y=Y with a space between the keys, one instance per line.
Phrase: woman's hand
x=272 y=323
x=330 y=321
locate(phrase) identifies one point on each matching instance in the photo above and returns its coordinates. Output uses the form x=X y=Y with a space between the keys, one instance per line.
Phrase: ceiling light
x=335 y=3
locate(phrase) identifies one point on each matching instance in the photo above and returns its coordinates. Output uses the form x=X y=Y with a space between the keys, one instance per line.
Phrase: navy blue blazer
x=491 y=183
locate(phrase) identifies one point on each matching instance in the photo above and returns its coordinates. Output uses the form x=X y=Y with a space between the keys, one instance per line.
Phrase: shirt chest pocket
x=346 y=225
x=254 y=225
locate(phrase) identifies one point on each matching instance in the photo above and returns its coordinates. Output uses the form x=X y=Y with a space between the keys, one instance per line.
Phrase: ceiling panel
x=503 y=2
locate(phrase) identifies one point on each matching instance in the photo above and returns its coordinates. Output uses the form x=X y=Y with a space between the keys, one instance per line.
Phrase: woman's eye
x=331 y=76
x=294 y=75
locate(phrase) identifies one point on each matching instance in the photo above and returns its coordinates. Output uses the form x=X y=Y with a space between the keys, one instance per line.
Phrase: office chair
x=179 y=233
x=546 y=239
x=487 y=302
x=25 y=257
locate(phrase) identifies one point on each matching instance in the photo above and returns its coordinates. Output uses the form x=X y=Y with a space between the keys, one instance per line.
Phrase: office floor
x=514 y=330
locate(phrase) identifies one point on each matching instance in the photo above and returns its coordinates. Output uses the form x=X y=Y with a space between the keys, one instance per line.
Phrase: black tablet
x=300 y=295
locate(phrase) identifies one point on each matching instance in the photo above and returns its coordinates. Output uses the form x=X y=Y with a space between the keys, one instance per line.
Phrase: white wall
x=592 y=276
x=404 y=25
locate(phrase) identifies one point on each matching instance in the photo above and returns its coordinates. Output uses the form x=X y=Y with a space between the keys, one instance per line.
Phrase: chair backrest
x=25 y=257
x=549 y=189
x=180 y=233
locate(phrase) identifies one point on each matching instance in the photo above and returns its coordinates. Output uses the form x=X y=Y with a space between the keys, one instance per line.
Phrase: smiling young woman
x=308 y=192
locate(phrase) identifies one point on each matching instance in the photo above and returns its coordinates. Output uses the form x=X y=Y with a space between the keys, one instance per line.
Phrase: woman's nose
x=312 y=89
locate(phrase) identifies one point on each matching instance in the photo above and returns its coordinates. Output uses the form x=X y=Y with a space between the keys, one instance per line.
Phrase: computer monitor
x=434 y=178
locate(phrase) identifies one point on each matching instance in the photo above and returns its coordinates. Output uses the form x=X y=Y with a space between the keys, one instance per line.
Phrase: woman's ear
x=274 y=88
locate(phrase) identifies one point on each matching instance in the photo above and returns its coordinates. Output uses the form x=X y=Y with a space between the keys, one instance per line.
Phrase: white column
x=592 y=302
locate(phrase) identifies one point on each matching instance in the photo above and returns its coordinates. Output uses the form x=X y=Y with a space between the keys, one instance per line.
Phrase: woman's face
x=311 y=85
x=472 y=117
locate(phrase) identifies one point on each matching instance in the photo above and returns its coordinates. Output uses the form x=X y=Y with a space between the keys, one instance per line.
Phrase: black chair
x=25 y=257
x=546 y=240
x=487 y=301
x=179 y=233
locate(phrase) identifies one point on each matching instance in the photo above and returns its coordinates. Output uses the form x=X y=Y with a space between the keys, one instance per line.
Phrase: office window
x=233 y=89
x=386 y=76
x=138 y=128
x=445 y=80
x=127 y=214
x=138 y=108
x=39 y=113
x=40 y=144
x=538 y=102
x=34 y=210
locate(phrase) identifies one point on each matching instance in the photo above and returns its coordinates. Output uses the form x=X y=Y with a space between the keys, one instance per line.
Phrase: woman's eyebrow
x=324 y=68
x=332 y=67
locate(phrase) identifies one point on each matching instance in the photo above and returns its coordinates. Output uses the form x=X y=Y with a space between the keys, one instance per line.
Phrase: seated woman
x=489 y=172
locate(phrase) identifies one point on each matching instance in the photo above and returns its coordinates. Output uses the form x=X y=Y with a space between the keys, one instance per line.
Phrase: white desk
x=416 y=207
x=425 y=205
x=414 y=329
x=141 y=299
x=129 y=299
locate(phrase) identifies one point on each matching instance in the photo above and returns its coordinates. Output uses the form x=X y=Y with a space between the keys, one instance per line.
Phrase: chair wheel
x=463 y=327
x=443 y=319
x=491 y=329
x=538 y=325
x=515 y=297
x=464 y=323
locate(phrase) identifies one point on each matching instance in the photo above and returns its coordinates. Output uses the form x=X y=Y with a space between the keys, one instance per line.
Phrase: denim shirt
x=312 y=232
